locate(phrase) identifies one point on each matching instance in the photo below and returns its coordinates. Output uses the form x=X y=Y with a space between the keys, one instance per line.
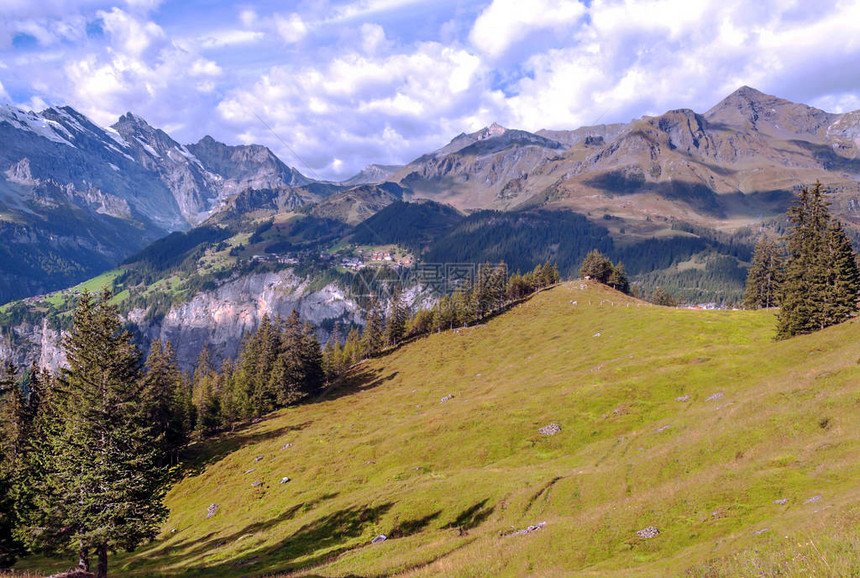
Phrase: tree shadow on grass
x=191 y=549
x=362 y=378
x=471 y=517
x=198 y=456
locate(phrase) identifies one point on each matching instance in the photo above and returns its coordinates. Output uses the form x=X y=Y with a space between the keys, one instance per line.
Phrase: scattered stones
x=447 y=398
x=596 y=334
x=257 y=420
x=781 y=501
x=813 y=499
x=664 y=428
x=719 y=407
x=285 y=446
x=256 y=484
x=285 y=479
x=210 y=511
x=550 y=430
x=683 y=398
x=251 y=470
x=648 y=533
x=717 y=395
x=378 y=539
x=762 y=531
x=528 y=530
x=258 y=458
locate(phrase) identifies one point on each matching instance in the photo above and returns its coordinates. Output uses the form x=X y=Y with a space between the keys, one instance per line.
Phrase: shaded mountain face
x=76 y=198
x=489 y=168
x=738 y=163
x=354 y=205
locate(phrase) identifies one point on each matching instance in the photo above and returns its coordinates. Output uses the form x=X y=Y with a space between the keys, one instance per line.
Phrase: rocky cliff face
x=216 y=319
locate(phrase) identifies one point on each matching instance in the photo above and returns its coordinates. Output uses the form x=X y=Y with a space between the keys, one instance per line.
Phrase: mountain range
x=76 y=198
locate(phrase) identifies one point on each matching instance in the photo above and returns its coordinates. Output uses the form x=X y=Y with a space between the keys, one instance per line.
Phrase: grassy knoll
x=695 y=422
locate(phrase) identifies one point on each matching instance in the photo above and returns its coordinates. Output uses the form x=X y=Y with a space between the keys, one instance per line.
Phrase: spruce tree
x=11 y=416
x=821 y=281
x=373 y=336
x=103 y=480
x=169 y=401
x=765 y=276
x=395 y=321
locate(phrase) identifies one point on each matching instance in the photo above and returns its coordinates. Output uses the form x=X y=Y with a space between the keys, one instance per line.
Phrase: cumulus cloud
x=506 y=22
x=343 y=83
x=375 y=109
x=291 y=28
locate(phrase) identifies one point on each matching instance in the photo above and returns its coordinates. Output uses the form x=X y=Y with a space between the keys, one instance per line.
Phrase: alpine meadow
x=364 y=288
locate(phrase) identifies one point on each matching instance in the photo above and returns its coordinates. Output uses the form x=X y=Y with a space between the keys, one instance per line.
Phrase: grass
x=695 y=422
x=94 y=285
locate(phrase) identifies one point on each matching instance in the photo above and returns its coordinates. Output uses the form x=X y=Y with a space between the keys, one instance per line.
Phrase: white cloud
x=291 y=28
x=130 y=35
x=221 y=38
x=506 y=22
x=3 y=94
x=375 y=109
x=372 y=37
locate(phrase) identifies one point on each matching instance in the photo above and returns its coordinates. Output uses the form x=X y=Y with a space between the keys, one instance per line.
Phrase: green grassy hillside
x=694 y=422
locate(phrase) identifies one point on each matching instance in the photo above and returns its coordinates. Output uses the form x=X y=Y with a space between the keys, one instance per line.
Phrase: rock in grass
x=256 y=484
x=682 y=398
x=285 y=479
x=378 y=539
x=447 y=398
x=813 y=499
x=258 y=458
x=648 y=533
x=210 y=511
x=781 y=501
x=550 y=430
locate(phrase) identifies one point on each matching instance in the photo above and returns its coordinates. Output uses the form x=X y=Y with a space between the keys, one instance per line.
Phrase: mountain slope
x=75 y=198
x=489 y=168
x=737 y=449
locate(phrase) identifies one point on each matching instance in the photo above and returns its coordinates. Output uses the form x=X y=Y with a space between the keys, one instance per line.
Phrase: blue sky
x=333 y=85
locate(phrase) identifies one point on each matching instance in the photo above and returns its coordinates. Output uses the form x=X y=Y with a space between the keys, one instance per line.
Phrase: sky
x=333 y=85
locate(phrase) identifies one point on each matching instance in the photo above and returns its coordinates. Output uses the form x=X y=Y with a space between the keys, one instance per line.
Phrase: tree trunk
x=83 y=560
x=102 y=570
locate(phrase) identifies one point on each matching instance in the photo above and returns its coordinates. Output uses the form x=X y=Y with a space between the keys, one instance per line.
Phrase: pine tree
x=765 y=276
x=395 y=321
x=103 y=478
x=11 y=417
x=661 y=297
x=373 y=336
x=618 y=279
x=596 y=266
x=169 y=401
x=204 y=395
x=843 y=280
x=820 y=285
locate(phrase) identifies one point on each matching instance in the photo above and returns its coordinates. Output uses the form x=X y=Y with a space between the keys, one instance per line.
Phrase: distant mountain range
x=737 y=163
x=76 y=198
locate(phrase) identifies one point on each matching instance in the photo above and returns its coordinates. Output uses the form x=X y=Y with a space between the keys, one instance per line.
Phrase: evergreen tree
x=204 y=395
x=395 y=322
x=662 y=297
x=618 y=279
x=11 y=417
x=169 y=401
x=596 y=266
x=373 y=337
x=821 y=280
x=765 y=276
x=104 y=483
x=843 y=282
